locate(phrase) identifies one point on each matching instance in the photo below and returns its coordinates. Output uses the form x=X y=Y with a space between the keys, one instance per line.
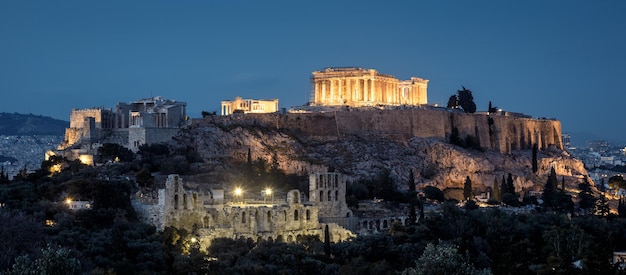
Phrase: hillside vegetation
x=29 y=125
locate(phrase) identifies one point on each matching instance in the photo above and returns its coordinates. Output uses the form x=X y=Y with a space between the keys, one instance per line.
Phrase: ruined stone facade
x=215 y=212
x=131 y=125
x=249 y=106
x=365 y=87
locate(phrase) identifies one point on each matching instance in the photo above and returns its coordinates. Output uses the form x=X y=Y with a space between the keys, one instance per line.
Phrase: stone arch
x=298 y=237
x=289 y=238
x=270 y=239
x=279 y=238
x=293 y=197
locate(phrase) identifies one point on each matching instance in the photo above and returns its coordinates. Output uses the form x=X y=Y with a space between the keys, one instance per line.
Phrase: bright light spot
x=238 y=191
x=193 y=239
x=86 y=159
x=268 y=191
x=68 y=200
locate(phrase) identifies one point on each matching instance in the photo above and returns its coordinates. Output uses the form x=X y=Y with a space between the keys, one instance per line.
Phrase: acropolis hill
x=503 y=134
x=362 y=123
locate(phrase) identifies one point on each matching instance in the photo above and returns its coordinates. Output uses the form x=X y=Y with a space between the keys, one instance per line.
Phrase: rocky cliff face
x=364 y=156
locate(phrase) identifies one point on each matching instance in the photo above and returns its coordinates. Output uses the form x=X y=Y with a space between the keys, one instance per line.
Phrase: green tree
x=443 y=258
x=495 y=192
x=503 y=187
x=602 y=208
x=466 y=100
x=453 y=102
x=115 y=152
x=433 y=193
x=549 y=189
x=492 y=109
x=52 y=261
x=467 y=189
x=586 y=199
x=616 y=182
x=327 y=241
x=510 y=187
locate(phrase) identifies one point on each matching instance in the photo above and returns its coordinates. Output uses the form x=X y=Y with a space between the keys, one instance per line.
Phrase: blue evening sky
x=561 y=59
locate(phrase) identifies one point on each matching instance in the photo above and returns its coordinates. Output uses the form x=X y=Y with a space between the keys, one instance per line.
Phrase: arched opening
x=175 y=201
x=184 y=201
x=321 y=195
x=205 y=221
x=279 y=238
x=329 y=196
x=296 y=197
x=243 y=217
x=289 y=238
x=295 y=215
x=195 y=201
x=385 y=224
x=336 y=195
x=308 y=215
x=269 y=216
x=285 y=213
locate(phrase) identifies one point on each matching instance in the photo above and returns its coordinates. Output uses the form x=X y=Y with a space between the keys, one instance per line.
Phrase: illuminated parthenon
x=365 y=87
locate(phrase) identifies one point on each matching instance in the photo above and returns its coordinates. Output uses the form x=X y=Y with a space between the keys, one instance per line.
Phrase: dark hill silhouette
x=14 y=124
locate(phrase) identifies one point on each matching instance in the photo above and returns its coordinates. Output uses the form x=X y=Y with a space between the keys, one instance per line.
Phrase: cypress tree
x=549 y=189
x=467 y=188
x=509 y=184
x=327 y=241
x=503 y=187
x=495 y=193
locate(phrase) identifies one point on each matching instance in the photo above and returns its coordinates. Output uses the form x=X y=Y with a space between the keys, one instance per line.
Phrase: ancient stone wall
x=184 y=206
x=495 y=132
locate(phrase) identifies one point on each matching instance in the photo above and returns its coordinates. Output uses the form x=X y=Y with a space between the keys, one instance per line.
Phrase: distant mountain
x=30 y=125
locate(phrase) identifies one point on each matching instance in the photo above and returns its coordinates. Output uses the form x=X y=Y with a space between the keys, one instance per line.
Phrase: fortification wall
x=496 y=132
